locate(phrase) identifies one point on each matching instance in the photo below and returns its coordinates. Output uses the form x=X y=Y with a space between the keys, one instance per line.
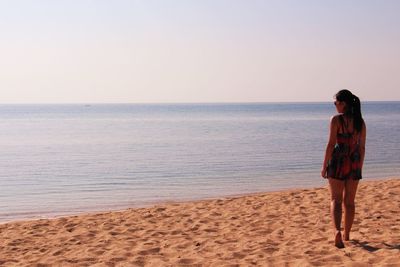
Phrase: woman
x=344 y=158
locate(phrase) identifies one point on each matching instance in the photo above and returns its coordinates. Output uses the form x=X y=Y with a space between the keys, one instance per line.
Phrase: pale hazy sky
x=197 y=51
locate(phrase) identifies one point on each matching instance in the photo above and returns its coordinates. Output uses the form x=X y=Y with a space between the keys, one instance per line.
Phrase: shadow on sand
x=392 y=246
x=366 y=246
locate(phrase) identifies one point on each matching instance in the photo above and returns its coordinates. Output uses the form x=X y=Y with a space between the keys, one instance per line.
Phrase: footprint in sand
x=149 y=251
x=186 y=261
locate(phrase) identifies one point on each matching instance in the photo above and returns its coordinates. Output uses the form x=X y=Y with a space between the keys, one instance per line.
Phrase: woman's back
x=346 y=158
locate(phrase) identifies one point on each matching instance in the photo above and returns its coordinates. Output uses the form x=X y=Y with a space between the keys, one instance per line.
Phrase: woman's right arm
x=363 y=138
x=331 y=144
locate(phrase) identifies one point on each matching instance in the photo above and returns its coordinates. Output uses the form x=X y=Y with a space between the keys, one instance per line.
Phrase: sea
x=63 y=159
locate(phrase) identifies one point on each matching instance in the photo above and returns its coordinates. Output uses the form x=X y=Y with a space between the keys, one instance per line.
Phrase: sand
x=290 y=228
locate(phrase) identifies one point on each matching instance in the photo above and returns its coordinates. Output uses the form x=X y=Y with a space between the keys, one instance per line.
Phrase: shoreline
x=289 y=228
x=150 y=204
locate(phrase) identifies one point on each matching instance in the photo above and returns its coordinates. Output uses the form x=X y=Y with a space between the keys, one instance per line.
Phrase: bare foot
x=338 y=240
x=346 y=237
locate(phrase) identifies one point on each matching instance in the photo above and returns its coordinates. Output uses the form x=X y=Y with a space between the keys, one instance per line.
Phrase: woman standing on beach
x=344 y=158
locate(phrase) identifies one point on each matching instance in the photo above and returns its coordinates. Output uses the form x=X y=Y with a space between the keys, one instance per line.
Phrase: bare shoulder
x=335 y=118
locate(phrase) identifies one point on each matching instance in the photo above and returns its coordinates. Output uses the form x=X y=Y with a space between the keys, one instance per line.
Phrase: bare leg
x=349 y=206
x=336 y=188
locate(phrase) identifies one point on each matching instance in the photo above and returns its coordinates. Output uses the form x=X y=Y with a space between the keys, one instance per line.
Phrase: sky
x=174 y=51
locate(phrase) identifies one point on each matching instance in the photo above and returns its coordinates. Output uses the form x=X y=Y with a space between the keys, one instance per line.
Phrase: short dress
x=345 y=162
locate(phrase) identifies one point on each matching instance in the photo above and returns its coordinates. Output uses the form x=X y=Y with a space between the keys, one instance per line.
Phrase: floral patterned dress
x=345 y=162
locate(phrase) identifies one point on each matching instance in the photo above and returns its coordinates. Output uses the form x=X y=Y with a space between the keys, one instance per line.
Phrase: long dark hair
x=353 y=107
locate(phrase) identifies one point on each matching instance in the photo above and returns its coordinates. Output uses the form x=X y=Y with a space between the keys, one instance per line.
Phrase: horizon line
x=182 y=103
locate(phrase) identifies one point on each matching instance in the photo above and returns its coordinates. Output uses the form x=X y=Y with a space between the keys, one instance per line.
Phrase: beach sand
x=288 y=228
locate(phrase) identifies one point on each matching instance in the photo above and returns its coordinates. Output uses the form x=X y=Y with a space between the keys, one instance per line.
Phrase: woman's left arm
x=331 y=144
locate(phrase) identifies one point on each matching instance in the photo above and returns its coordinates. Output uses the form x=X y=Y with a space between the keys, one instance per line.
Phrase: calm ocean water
x=61 y=159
